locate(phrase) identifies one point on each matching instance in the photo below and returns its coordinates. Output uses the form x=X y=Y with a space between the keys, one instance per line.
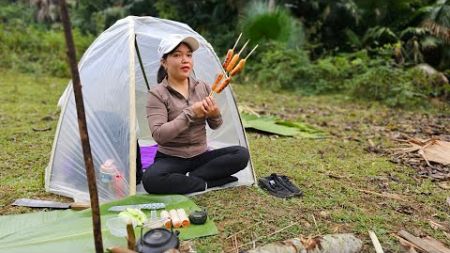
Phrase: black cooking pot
x=158 y=240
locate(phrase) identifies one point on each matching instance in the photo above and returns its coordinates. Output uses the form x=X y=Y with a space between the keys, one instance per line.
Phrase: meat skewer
x=241 y=64
x=216 y=83
x=223 y=85
x=230 y=53
x=235 y=58
x=238 y=68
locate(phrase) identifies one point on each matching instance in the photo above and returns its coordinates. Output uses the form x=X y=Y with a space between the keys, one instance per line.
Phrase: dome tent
x=115 y=93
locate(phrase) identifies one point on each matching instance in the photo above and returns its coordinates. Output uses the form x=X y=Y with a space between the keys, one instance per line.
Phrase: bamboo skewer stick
x=237 y=41
x=251 y=52
x=243 y=47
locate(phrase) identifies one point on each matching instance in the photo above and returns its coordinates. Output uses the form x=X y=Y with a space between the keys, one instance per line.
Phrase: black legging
x=168 y=173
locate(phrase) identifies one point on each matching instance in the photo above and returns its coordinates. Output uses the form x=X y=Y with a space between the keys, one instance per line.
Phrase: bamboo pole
x=76 y=83
x=131 y=237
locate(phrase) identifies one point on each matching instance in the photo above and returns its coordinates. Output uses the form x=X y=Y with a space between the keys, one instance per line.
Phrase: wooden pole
x=131 y=237
x=82 y=127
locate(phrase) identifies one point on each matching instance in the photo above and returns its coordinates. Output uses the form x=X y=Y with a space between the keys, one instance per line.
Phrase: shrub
x=260 y=23
x=393 y=86
x=276 y=67
x=37 y=49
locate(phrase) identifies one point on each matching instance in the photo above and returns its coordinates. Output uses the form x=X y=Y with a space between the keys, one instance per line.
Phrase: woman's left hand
x=211 y=108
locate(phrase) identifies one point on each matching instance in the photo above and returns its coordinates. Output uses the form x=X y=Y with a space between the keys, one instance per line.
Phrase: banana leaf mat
x=71 y=231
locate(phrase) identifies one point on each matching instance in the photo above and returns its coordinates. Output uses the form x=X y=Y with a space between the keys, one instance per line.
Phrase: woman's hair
x=162 y=73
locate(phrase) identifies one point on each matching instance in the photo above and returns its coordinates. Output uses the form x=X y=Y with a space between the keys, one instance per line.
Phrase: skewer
x=242 y=49
x=230 y=53
x=235 y=58
x=237 y=41
x=251 y=52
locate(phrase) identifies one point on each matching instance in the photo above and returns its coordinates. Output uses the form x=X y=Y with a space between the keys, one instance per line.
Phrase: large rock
x=430 y=71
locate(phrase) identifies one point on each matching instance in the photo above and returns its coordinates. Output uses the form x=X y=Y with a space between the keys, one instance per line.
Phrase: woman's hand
x=199 y=110
x=211 y=108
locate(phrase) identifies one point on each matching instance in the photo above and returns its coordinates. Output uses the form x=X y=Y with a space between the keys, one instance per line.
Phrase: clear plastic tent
x=115 y=93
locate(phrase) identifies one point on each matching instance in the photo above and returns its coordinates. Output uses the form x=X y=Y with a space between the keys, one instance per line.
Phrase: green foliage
x=360 y=74
x=36 y=49
x=262 y=24
x=378 y=36
x=32 y=47
x=13 y=13
x=394 y=87
x=281 y=68
x=216 y=20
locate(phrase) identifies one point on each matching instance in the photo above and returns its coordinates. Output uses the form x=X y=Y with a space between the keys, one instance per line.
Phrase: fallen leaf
x=324 y=214
x=444 y=185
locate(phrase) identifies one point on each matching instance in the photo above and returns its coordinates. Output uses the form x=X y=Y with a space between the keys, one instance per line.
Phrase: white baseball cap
x=172 y=41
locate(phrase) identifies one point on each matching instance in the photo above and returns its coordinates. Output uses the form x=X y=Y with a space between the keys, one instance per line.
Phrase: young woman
x=178 y=109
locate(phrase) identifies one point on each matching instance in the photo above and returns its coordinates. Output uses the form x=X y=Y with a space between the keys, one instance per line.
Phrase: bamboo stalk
x=84 y=136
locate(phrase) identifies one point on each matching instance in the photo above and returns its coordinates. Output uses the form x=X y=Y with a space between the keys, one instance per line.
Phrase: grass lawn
x=330 y=171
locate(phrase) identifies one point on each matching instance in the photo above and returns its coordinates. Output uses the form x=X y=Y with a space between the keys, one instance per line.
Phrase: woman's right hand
x=199 y=110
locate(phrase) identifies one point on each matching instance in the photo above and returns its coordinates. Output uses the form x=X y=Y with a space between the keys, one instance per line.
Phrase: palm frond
x=437 y=20
x=261 y=23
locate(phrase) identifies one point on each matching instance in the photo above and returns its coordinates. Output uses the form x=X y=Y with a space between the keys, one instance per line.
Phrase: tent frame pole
x=140 y=61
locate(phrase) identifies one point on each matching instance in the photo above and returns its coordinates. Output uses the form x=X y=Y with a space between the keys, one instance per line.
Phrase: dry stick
x=422 y=154
x=236 y=244
x=375 y=242
x=82 y=128
x=243 y=230
x=259 y=238
x=386 y=195
x=253 y=240
x=315 y=223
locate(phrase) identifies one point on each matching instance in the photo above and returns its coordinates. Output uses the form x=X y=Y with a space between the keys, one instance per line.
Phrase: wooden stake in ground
x=82 y=127
x=131 y=237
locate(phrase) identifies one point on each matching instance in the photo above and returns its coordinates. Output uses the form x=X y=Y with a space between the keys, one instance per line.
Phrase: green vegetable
x=136 y=216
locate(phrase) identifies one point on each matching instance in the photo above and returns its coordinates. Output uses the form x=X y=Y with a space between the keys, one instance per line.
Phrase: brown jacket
x=172 y=121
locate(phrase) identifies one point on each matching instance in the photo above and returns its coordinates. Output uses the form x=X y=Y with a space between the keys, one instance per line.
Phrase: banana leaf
x=71 y=231
x=272 y=125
